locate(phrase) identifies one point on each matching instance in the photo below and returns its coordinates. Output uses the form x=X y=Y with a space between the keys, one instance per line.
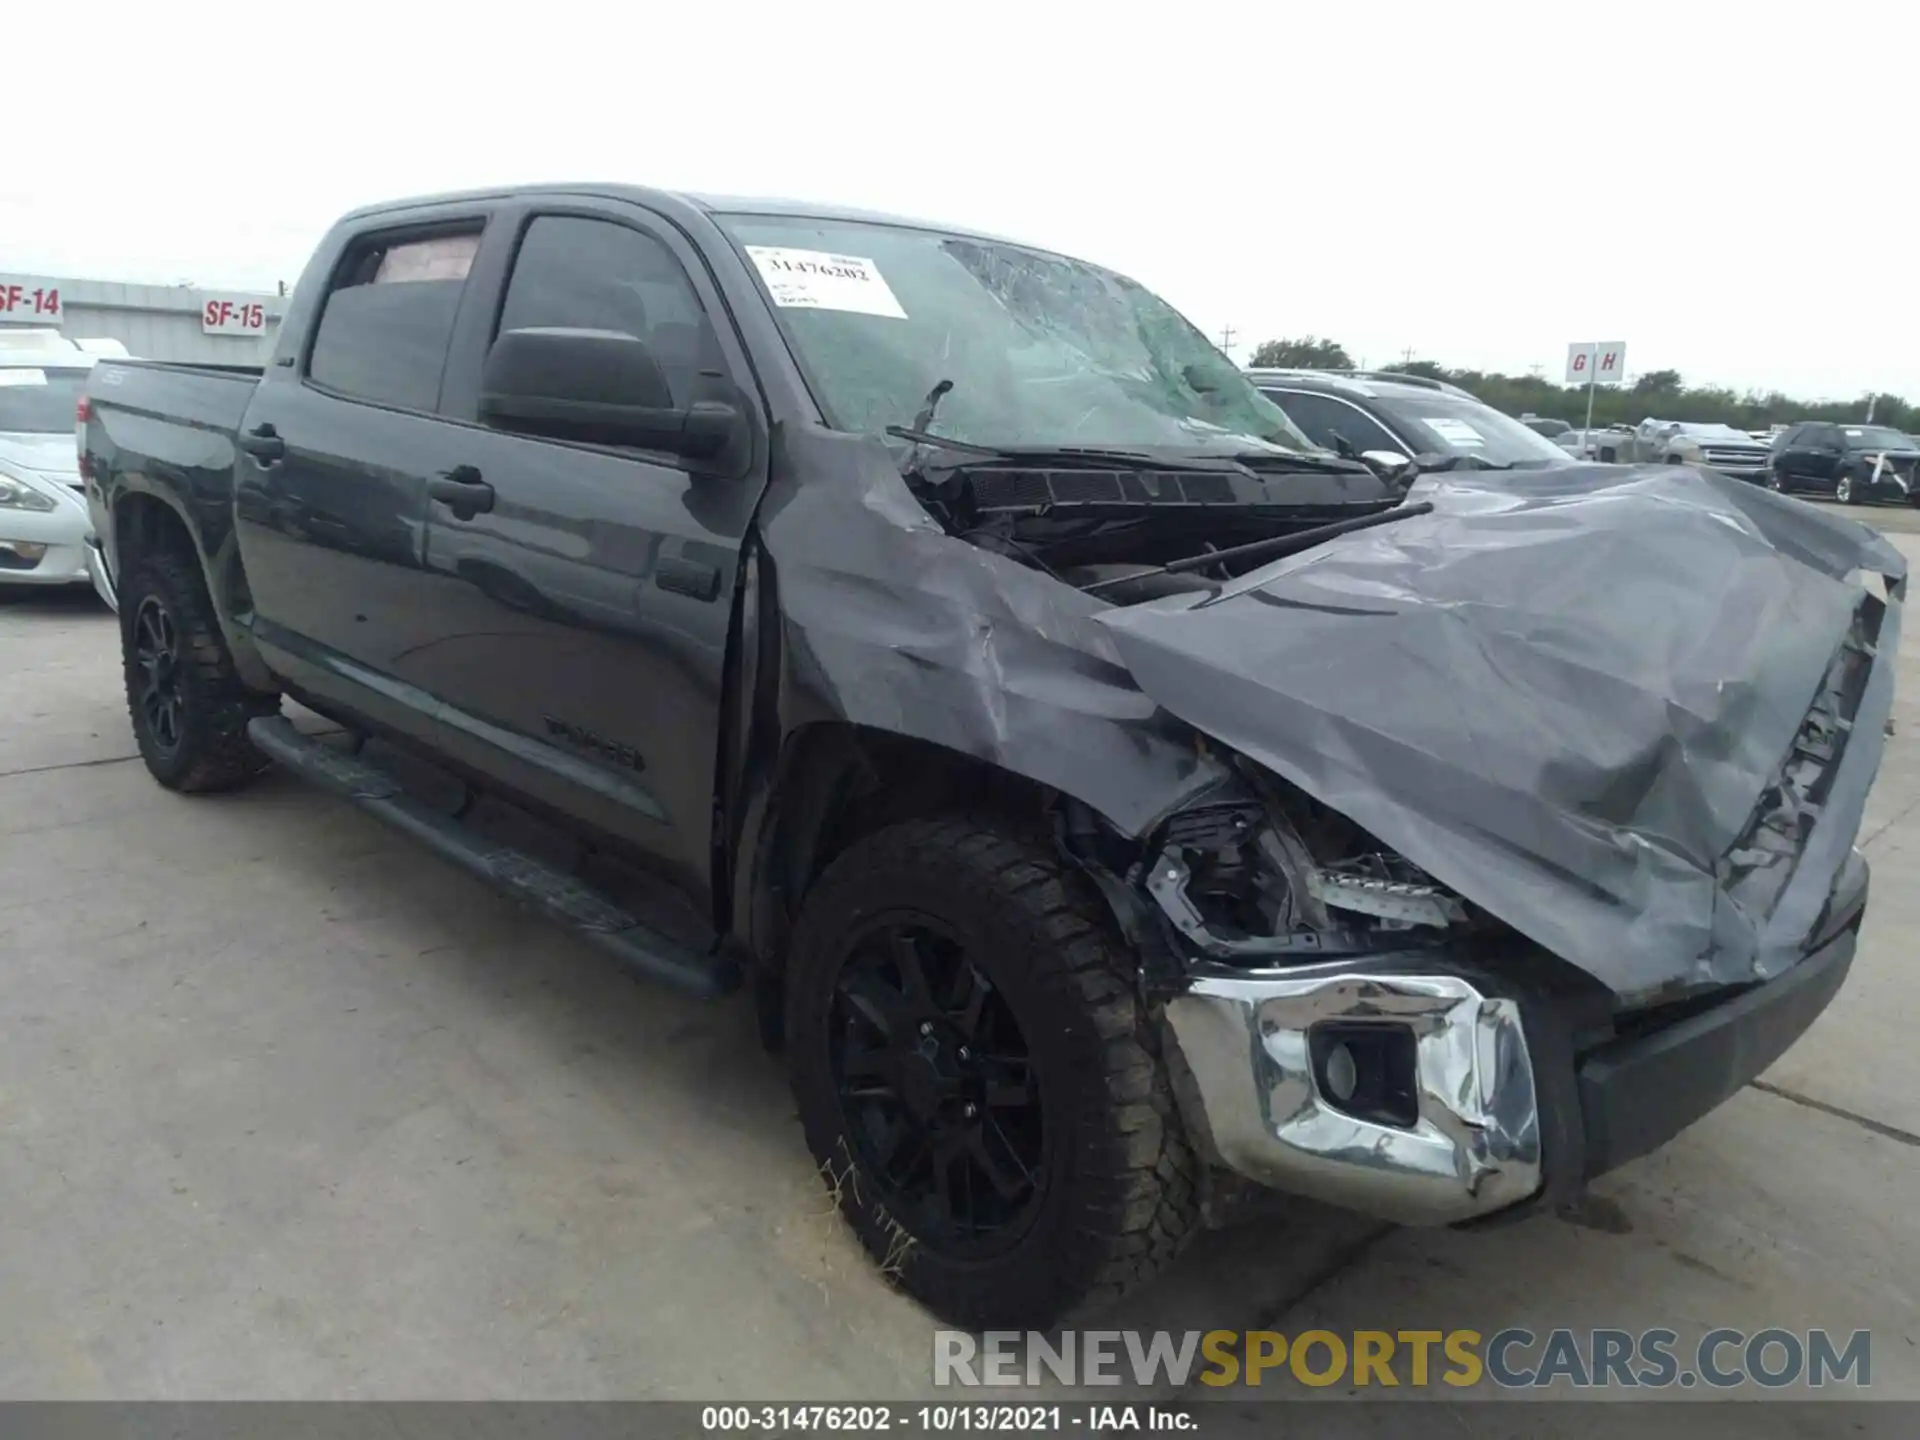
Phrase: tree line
x=1659 y=393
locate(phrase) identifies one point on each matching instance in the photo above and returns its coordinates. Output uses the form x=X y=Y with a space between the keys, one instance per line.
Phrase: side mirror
x=601 y=386
x=1388 y=462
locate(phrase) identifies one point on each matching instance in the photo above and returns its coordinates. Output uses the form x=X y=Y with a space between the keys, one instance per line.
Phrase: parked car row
x=1388 y=418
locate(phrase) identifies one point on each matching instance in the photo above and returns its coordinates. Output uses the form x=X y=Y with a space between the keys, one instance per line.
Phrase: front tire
x=978 y=1078
x=1845 y=491
x=188 y=706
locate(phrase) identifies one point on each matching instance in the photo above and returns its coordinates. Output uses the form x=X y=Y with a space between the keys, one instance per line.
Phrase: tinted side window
x=597 y=275
x=385 y=324
x=1321 y=417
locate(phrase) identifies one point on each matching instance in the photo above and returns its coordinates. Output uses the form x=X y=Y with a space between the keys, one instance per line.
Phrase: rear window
x=38 y=401
x=386 y=323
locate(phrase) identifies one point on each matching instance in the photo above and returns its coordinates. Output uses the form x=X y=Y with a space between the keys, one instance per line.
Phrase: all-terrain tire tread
x=1137 y=1174
x=220 y=703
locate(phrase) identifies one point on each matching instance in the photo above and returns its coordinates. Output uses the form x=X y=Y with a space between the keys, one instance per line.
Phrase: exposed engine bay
x=1269 y=877
x=1263 y=875
x=1145 y=531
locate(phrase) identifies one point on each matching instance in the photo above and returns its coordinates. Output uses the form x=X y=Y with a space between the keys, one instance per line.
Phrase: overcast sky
x=1729 y=189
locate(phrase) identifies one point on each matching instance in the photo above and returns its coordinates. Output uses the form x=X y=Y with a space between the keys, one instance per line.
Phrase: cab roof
x=702 y=202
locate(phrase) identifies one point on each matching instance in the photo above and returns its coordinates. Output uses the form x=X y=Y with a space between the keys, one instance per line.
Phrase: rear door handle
x=264 y=444
x=462 y=491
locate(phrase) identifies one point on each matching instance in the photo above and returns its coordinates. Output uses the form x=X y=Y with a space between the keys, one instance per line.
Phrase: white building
x=154 y=322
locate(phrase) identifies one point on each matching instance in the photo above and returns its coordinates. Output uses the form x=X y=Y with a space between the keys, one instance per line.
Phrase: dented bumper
x=1492 y=1106
x=1257 y=1045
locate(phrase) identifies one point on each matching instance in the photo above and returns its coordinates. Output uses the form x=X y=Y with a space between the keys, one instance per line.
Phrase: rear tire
x=188 y=706
x=1058 y=1178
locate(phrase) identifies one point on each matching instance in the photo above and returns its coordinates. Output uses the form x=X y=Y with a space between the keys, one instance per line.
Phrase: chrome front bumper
x=1499 y=1109
x=1475 y=1146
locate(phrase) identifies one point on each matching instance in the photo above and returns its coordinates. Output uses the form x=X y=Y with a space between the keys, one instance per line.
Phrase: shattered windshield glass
x=1039 y=350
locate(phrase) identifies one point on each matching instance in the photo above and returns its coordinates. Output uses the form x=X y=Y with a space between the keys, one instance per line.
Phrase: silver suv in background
x=1717 y=447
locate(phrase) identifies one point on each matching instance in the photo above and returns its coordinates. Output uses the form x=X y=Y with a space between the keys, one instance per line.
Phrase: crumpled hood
x=1566 y=700
x=51 y=457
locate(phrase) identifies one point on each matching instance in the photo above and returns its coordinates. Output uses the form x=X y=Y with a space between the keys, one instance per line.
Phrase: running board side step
x=513 y=873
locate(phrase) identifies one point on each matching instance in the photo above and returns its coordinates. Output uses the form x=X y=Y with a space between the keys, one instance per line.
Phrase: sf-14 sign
x=29 y=302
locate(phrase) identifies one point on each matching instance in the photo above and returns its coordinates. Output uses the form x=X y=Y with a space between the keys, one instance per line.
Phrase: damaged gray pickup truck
x=1112 y=801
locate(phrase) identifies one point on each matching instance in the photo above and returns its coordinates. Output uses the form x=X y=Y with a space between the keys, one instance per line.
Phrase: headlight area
x=1345 y=1019
x=18 y=495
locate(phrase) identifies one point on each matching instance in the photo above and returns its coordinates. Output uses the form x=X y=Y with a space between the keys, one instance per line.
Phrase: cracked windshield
x=1024 y=348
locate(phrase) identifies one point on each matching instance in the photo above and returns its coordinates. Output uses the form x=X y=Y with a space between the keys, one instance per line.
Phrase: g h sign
x=1601 y=363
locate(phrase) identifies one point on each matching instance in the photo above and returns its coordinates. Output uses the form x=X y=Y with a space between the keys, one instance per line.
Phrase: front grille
x=1733 y=457
x=1756 y=869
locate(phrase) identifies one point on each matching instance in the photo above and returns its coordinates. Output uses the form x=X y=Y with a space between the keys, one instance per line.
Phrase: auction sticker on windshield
x=1455 y=432
x=816 y=280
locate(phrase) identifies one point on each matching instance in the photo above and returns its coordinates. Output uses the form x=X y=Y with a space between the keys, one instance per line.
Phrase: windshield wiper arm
x=1465 y=462
x=934 y=397
x=1300 y=460
x=925 y=437
x=1079 y=456
x=1276 y=548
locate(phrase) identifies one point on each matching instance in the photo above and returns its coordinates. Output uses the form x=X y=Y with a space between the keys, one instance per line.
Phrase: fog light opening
x=1343 y=1073
x=1367 y=1070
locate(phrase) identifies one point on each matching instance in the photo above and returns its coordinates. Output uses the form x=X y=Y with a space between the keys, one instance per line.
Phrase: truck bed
x=204 y=397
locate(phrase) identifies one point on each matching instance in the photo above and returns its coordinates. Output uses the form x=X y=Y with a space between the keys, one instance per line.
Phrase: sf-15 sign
x=1601 y=362
x=233 y=316
x=28 y=302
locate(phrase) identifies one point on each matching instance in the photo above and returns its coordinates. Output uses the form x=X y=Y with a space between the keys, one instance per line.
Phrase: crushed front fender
x=1632 y=712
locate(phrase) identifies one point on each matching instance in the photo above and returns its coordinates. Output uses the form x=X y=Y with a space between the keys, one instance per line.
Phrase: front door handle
x=693 y=578
x=462 y=491
x=264 y=444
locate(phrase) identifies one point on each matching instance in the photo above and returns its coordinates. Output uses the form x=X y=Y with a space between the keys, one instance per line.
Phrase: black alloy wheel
x=189 y=707
x=156 y=651
x=979 y=1077
x=936 y=1087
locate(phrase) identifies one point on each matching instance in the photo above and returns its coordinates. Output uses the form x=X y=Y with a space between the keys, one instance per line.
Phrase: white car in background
x=44 y=522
